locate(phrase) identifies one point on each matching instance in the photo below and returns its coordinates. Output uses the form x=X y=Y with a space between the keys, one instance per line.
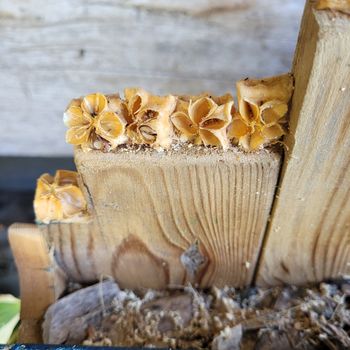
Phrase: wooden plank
x=80 y=250
x=152 y=44
x=41 y=282
x=150 y=208
x=309 y=236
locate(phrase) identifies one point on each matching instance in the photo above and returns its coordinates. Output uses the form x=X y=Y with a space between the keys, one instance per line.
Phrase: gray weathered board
x=52 y=51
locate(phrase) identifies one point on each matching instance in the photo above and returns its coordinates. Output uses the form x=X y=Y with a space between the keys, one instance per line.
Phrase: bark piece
x=228 y=339
x=67 y=321
x=182 y=304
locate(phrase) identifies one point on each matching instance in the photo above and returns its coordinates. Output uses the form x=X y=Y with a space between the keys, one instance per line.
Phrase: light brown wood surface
x=53 y=51
x=309 y=236
x=79 y=250
x=148 y=209
x=41 y=281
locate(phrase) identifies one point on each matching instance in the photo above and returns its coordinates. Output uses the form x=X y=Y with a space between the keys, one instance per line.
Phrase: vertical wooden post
x=41 y=282
x=309 y=236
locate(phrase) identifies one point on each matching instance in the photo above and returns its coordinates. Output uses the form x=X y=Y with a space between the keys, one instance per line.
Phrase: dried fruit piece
x=148 y=131
x=263 y=104
x=58 y=198
x=335 y=5
x=252 y=93
x=220 y=100
x=104 y=122
x=136 y=99
x=193 y=98
x=150 y=114
x=119 y=107
x=204 y=120
x=94 y=120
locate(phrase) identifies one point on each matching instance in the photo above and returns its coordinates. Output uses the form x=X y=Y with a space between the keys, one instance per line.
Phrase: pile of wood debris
x=219 y=319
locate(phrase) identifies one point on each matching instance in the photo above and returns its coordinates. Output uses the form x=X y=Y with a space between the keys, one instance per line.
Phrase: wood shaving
x=220 y=319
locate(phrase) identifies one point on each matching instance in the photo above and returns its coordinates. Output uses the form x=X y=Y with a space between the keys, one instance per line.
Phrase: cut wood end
x=21 y=228
x=334 y=5
x=192 y=155
x=28 y=246
x=38 y=274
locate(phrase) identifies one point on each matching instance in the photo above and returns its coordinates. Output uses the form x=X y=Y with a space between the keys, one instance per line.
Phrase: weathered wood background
x=51 y=51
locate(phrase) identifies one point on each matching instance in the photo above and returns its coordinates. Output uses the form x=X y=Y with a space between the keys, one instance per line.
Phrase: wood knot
x=192 y=260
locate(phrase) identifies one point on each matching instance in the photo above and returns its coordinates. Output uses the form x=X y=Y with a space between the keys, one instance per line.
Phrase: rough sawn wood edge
x=41 y=280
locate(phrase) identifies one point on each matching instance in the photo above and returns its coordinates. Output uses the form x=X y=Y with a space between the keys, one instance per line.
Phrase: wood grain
x=149 y=208
x=309 y=236
x=51 y=52
x=41 y=281
x=80 y=250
